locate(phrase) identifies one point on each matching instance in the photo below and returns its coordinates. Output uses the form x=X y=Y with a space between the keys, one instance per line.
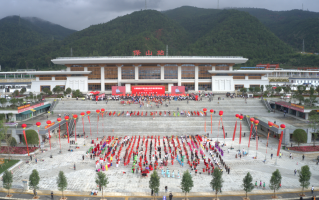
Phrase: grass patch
x=7 y=164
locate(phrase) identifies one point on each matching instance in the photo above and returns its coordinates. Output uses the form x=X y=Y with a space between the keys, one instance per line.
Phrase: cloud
x=80 y=14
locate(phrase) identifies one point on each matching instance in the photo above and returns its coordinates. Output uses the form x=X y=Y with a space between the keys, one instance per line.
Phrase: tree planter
x=65 y=198
x=9 y=195
x=36 y=197
x=244 y=198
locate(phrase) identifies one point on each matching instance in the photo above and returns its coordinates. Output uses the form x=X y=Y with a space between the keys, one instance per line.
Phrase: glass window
x=205 y=86
x=238 y=87
x=128 y=72
x=110 y=72
x=188 y=72
x=189 y=86
x=94 y=87
x=170 y=72
x=203 y=72
x=108 y=86
x=96 y=72
x=149 y=73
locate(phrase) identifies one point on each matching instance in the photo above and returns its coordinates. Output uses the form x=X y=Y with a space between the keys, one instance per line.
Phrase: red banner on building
x=118 y=90
x=47 y=126
x=178 y=90
x=24 y=106
x=148 y=89
x=30 y=107
x=291 y=106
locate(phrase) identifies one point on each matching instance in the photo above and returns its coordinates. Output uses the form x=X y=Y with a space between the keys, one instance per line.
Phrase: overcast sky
x=79 y=14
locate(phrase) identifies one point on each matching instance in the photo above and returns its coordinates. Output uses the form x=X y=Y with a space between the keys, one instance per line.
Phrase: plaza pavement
x=82 y=180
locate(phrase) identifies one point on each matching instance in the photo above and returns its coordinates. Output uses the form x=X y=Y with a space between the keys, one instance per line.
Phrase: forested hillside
x=18 y=34
x=186 y=30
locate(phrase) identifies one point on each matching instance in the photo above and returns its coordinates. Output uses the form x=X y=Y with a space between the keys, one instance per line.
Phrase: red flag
x=67 y=130
x=256 y=138
x=26 y=142
x=211 y=124
x=59 y=135
x=83 y=124
x=279 y=144
x=240 y=133
x=235 y=130
x=251 y=129
x=267 y=141
x=75 y=129
x=221 y=119
x=49 y=138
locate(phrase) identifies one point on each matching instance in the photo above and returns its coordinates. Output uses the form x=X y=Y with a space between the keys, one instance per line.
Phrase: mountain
x=22 y=33
x=186 y=30
x=292 y=26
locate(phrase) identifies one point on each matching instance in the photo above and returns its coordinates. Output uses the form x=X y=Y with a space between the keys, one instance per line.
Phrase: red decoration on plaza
x=88 y=113
x=221 y=119
x=59 y=120
x=102 y=112
x=240 y=118
x=160 y=53
x=38 y=124
x=256 y=122
x=75 y=117
x=137 y=52
x=48 y=123
x=67 y=127
x=97 y=124
x=270 y=124
x=148 y=53
x=82 y=114
x=251 y=129
x=205 y=110
x=282 y=126
x=235 y=128
x=211 y=121
x=25 y=137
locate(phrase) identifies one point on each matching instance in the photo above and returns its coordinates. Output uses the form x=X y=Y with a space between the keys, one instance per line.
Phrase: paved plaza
x=83 y=178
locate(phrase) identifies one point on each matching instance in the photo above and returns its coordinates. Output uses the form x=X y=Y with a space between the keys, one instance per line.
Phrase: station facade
x=213 y=74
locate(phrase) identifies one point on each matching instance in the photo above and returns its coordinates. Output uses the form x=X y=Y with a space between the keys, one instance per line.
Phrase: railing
x=266 y=103
x=246 y=119
x=150 y=57
x=55 y=102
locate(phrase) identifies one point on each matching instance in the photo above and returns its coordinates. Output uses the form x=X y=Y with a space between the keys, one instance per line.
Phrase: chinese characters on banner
x=148 y=53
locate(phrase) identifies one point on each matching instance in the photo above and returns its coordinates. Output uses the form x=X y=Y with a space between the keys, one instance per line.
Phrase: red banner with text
x=30 y=107
x=118 y=90
x=180 y=90
x=148 y=89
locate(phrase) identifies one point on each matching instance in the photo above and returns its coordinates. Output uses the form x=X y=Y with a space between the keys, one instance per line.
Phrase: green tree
x=12 y=142
x=46 y=90
x=262 y=89
x=256 y=90
x=34 y=180
x=300 y=98
x=31 y=95
x=3 y=101
x=278 y=90
x=62 y=182
x=68 y=90
x=76 y=93
x=154 y=182
x=269 y=88
x=312 y=99
x=186 y=183
x=304 y=177
x=23 y=90
x=300 y=89
x=14 y=102
x=15 y=93
x=101 y=180
x=247 y=183
x=317 y=89
x=7 y=180
x=275 y=181
x=20 y=101
x=32 y=137
x=217 y=181
x=299 y=136
x=243 y=90
x=57 y=89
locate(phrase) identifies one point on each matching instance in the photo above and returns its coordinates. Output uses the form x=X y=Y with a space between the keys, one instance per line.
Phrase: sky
x=80 y=14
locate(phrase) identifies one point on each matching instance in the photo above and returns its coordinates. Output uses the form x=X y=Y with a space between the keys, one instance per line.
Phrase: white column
x=119 y=75
x=196 y=78
x=162 y=73
x=68 y=69
x=136 y=73
x=246 y=77
x=230 y=68
x=213 y=68
x=53 y=78
x=102 y=80
x=37 y=78
x=179 y=75
x=85 y=68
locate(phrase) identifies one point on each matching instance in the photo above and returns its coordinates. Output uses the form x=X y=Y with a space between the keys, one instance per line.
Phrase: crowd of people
x=143 y=154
